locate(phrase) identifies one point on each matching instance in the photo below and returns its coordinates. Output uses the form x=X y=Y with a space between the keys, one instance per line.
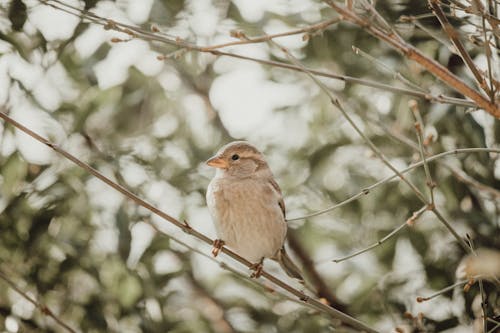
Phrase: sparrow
x=247 y=207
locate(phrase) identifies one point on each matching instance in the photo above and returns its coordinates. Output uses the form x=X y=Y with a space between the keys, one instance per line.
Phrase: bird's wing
x=281 y=203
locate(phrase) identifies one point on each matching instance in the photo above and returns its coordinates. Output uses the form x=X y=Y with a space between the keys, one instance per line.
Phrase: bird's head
x=240 y=159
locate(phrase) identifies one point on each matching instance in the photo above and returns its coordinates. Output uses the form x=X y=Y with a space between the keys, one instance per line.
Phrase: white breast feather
x=251 y=225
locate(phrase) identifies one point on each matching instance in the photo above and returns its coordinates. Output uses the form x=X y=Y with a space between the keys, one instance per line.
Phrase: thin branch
x=453 y=35
x=484 y=308
x=493 y=20
x=186 y=46
x=487 y=52
x=42 y=307
x=374 y=245
x=424 y=95
x=419 y=128
x=379 y=18
x=387 y=179
x=458 y=173
x=414 y=20
x=395 y=75
x=307 y=29
x=414 y=54
x=465 y=178
x=409 y=222
x=226 y=267
x=497 y=325
x=448 y=226
x=336 y=102
x=421 y=299
x=188 y=229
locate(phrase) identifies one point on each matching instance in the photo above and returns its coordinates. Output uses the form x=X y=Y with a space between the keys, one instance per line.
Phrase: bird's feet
x=257 y=269
x=218 y=244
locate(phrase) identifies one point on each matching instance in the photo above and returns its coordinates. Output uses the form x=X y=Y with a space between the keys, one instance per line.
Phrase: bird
x=247 y=208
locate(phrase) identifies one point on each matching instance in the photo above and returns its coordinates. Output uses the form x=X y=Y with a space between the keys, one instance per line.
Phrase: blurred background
x=148 y=114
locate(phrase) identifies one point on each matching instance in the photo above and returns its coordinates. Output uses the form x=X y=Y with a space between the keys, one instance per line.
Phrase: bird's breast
x=247 y=217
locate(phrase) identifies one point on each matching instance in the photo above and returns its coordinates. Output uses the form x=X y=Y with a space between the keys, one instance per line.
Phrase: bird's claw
x=257 y=270
x=218 y=244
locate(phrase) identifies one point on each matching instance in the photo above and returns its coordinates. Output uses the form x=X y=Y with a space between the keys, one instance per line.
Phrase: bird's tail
x=288 y=265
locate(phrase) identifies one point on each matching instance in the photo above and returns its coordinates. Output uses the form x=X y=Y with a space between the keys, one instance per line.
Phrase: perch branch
x=188 y=229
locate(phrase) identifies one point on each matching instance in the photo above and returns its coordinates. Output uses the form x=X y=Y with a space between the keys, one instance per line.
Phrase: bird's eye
x=235 y=157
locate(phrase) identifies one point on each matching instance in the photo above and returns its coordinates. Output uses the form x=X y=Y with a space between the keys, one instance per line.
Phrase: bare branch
x=367 y=190
x=481 y=289
x=314 y=28
x=453 y=35
x=487 y=52
x=335 y=101
x=409 y=222
x=421 y=299
x=395 y=75
x=414 y=54
x=466 y=179
x=419 y=128
x=42 y=307
x=186 y=46
x=189 y=230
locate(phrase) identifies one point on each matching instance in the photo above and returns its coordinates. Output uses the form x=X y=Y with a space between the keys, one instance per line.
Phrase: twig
x=308 y=29
x=395 y=75
x=381 y=20
x=172 y=40
x=416 y=22
x=336 y=102
x=465 y=178
x=409 y=222
x=387 y=179
x=374 y=245
x=459 y=174
x=421 y=299
x=42 y=307
x=484 y=308
x=224 y=266
x=189 y=230
x=419 y=128
x=448 y=226
x=414 y=54
x=497 y=325
x=453 y=35
x=493 y=20
x=487 y=52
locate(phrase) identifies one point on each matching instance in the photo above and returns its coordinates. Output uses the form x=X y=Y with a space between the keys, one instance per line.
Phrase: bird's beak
x=217 y=162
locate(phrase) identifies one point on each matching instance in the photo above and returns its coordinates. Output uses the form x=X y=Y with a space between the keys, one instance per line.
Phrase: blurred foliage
x=84 y=250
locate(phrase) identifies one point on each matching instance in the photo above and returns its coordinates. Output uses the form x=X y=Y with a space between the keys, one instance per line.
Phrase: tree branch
x=42 y=307
x=137 y=32
x=387 y=179
x=453 y=36
x=188 y=229
x=416 y=55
